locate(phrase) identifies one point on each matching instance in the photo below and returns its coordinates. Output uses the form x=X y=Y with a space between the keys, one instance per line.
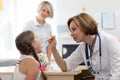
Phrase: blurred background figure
x=41 y=28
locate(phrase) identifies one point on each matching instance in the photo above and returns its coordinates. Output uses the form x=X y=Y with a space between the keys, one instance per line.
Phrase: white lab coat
x=110 y=59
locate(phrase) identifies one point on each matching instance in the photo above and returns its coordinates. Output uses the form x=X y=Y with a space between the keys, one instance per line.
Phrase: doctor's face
x=76 y=32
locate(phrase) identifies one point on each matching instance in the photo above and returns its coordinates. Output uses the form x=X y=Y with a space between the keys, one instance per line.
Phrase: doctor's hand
x=52 y=42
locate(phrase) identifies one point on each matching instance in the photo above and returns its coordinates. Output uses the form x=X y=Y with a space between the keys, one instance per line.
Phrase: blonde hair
x=49 y=5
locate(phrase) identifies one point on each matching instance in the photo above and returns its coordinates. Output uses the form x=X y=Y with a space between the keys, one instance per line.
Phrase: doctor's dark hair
x=85 y=22
x=24 y=43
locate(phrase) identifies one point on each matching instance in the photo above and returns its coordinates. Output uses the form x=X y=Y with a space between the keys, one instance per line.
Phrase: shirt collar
x=36 y=22
x=96 y=47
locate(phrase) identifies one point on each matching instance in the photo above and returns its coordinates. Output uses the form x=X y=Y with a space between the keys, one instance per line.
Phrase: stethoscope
x=88 y=57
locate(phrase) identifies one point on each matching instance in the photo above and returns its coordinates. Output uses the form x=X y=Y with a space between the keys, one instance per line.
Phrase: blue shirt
x=42 y=32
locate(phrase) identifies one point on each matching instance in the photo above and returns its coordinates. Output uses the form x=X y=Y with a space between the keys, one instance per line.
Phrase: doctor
x=98 y=50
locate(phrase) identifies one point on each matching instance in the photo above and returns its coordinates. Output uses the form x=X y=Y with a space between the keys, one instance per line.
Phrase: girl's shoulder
x=29 y=60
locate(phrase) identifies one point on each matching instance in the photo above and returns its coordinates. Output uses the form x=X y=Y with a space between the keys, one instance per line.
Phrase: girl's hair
x=24 y=44
x=49 y=5
x=85 y=22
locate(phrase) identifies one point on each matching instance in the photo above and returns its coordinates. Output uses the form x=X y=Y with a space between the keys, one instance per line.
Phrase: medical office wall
x=15 y=13
x=105 y=12
x=7 y=29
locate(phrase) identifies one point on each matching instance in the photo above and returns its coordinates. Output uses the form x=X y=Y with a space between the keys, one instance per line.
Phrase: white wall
x=64 y=9
x=68 y=8
x=21 y=11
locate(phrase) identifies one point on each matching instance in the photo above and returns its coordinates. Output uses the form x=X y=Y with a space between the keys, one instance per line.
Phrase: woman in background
x=27 y=68
x=100 y=51
x=41 y=28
